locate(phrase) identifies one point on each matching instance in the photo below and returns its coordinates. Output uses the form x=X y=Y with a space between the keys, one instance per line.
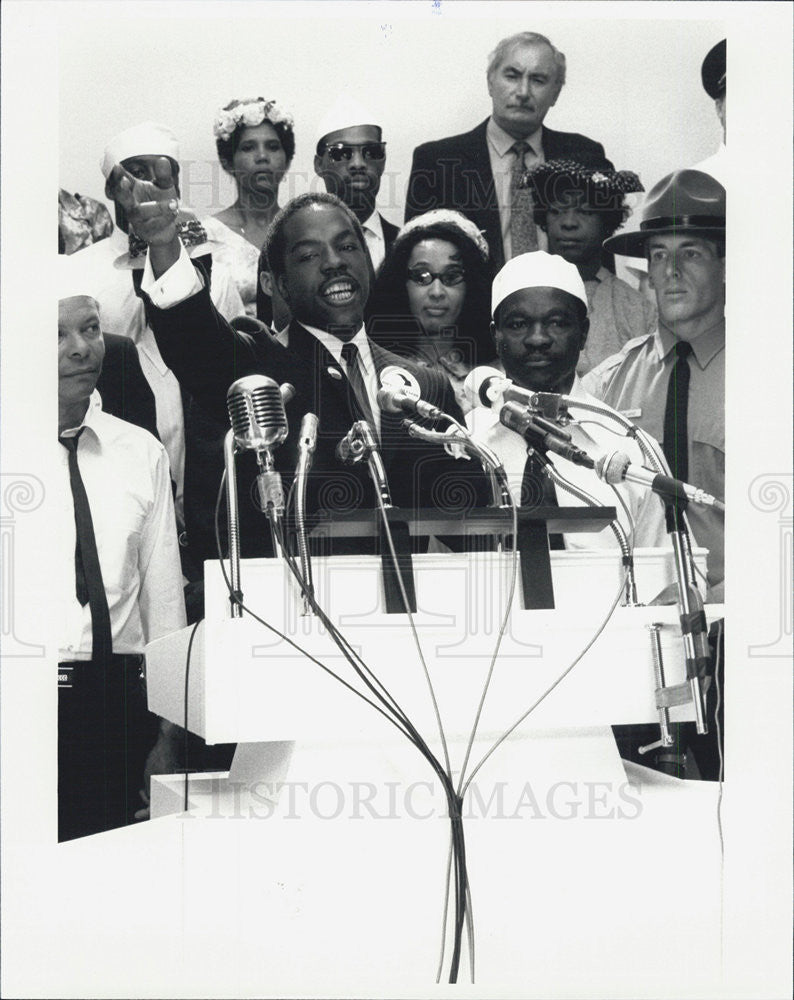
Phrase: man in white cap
x=350 y=158
x=120 y=584
x=539 y=325
x=113 y=268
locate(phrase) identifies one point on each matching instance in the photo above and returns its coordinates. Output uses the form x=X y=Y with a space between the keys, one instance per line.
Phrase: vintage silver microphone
x=259 y=423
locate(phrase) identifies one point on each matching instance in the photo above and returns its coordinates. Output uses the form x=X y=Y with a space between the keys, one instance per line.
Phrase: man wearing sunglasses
x=350 y=158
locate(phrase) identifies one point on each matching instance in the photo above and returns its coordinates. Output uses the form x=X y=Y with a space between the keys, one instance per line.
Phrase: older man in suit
x=319 y=261
x=477 y=173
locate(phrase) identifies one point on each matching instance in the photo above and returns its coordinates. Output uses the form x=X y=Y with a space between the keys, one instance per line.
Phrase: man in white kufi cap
x=113 y=268
x=539 y=325
x=350 y=158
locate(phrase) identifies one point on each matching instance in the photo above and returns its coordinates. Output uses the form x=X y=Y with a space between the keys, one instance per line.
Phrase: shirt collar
x=602 y=274
x=334 y=345
x=501 y=142
x=373 y=225
x=89 y=421
x=704 y=348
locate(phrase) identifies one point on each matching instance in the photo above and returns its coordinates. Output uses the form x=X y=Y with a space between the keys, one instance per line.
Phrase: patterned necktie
x=676 y=437
x=523 y=232
x=89 y=586
x=537 y=490
x=359 y=402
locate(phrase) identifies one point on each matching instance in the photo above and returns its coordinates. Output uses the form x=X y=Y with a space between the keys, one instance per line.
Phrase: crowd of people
x=506 y=258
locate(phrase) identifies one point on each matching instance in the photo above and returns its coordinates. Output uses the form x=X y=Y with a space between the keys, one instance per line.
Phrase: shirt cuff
x=178 y=283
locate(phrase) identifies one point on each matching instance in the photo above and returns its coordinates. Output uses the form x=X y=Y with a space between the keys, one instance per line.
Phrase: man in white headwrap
x=350 y=158
x=539 y=310
x=113 y=268
x=120 y=583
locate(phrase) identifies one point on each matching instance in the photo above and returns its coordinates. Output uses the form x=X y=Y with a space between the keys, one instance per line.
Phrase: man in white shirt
x=539 y=308
x=112 y=267
x=477 y=173
x=120 y=583
x=350 y=158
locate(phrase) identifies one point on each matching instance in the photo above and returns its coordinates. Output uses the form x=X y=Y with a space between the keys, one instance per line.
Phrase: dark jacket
x=123 y=387
x=207 y=355
x=456 y=173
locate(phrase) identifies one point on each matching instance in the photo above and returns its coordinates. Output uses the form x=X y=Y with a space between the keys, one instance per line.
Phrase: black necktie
x=88 y=574
x=359 y=400
x=537 y=490
x=676 y=438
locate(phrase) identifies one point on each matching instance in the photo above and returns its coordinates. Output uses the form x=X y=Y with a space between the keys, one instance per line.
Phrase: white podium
x=248 y=685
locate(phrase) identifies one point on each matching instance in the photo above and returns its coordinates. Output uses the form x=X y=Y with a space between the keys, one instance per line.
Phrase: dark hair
x=611 y=208
x=390 y=322
x=228 y=147
x=274 y=246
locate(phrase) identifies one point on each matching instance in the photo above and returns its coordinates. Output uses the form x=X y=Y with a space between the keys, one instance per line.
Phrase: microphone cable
x=551 y=687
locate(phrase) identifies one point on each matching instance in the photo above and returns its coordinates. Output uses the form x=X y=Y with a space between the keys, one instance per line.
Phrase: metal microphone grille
x=256 y=412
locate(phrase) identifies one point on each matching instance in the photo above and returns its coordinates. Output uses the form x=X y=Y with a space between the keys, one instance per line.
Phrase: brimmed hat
x=713 y=72
x=536 y=270
x=686 y=201
x=604 y=187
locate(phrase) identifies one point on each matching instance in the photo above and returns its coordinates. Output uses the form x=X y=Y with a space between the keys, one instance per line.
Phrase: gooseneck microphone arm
x=233 y=526
x=307 y=443
x=360 y=444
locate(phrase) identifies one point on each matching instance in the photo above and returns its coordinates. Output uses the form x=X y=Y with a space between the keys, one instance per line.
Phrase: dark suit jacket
x=389 y=232
x=207 y=355
x=123 y=387
x=456 y=173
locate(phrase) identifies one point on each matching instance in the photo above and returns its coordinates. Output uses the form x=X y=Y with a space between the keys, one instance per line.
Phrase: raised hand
x=152 y=210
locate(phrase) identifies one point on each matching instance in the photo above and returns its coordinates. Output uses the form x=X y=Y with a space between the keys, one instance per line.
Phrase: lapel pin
x=334 y=373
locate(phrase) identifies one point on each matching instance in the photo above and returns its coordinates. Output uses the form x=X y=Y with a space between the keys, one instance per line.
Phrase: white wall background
x=633 y=79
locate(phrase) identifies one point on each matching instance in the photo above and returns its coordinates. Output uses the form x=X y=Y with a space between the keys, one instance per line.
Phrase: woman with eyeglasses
x=430 y=302
x=256 y=144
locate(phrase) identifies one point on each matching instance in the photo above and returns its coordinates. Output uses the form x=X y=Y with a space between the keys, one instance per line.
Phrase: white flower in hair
x=598 y=178
x=252 y=114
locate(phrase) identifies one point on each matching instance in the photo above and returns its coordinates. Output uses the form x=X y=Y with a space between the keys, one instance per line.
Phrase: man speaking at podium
x=318 y=259
x=539 y=325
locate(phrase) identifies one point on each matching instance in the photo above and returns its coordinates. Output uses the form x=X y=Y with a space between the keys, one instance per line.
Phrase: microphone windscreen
x=483 y=386
x=612 y=466
x=256 y=412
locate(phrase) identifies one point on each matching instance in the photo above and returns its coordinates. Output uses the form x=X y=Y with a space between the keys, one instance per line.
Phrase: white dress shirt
x=126 y=477
x=503 y=159
x=376 y=242
x=121 y=312
x=645 y=507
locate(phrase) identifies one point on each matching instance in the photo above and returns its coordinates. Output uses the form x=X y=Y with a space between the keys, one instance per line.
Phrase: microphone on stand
x=259 y=423
x=488 y=387
x=615 y=467
x=543 y=434
x=360 y=443
x=400 y=393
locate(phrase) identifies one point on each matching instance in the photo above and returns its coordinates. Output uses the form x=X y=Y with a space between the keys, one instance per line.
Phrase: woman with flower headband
x=430 y=300
x=256 y=144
